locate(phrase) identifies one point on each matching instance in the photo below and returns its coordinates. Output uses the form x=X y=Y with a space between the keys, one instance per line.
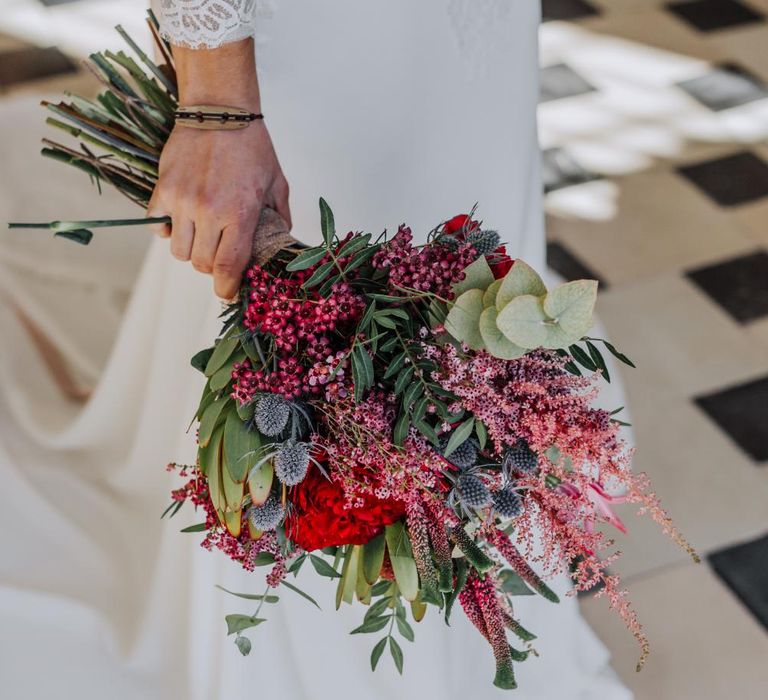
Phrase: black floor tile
x=561 y=81
x=567 y=9
x=742 y=413
x=744 y=569
x=568 y=266
x=559 y=170
x=739 y=285
x=710 y=15
x=726 y=86
x=22 y=65
x=735 y=179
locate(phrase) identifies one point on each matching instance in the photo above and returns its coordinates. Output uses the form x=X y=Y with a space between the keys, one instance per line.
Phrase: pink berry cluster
x=279 y=306
x=431 y=268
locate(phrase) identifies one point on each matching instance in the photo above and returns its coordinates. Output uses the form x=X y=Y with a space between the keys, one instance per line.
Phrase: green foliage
x=401 y=556
x=238 y=623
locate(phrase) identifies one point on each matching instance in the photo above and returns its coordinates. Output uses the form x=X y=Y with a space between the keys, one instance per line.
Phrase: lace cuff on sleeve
x=205 y=24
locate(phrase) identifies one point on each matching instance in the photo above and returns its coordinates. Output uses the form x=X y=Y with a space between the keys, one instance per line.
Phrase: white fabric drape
x=386 y=110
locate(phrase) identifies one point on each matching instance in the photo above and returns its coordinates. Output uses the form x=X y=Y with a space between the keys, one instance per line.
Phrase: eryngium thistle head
x=520 y=458
x=472 y=491
x=267 y=516
x=292 y=462
x=271 y=414
x=484 y=242
x=464 y=456
x=507 y=502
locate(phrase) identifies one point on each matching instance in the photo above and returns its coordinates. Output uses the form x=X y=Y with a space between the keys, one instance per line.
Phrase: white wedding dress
x=394 y=111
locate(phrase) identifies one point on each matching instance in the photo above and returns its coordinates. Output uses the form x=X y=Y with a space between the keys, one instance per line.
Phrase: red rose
x=500 y=262
x=319 y=519
x=460 y=223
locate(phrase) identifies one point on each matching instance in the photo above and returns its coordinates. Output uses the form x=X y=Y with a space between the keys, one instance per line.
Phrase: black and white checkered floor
x=653 y=120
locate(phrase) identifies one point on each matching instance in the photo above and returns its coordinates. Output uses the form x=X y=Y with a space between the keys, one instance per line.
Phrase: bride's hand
x=213 y=184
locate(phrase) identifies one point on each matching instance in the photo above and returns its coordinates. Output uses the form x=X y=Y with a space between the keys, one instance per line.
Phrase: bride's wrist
x=224 y=76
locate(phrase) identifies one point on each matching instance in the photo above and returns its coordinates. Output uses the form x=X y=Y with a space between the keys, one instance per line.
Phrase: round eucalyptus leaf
x=489 y=298
x=521 y=280
x=496 y=343
x=463 y=321
x=477 y=275
x=523 y=321
x=572 y=305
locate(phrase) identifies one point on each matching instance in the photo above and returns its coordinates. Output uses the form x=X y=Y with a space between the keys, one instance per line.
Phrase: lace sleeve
x=199 y=24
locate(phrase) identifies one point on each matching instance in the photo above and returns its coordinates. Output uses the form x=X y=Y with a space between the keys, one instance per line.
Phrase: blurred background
x=653 y=125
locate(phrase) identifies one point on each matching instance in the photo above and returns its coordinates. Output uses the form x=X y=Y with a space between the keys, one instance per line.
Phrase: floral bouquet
x=415 y=422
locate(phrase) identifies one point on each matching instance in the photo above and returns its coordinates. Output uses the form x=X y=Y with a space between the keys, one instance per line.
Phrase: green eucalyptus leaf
x=238 y=623
x=243 y=645
x=521 y=280
x=477 y=275
x=496 y=343
x=463 y=320
x=524 y=322
x=572 y=305
x=489 y=298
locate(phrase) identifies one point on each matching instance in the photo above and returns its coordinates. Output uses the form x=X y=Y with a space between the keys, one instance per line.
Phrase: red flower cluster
x=280 y=306
x=499 y=261
x=431 y=268
x=320 y=517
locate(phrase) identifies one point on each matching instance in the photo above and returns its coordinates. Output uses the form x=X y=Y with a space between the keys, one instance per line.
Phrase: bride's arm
x=213 y=184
